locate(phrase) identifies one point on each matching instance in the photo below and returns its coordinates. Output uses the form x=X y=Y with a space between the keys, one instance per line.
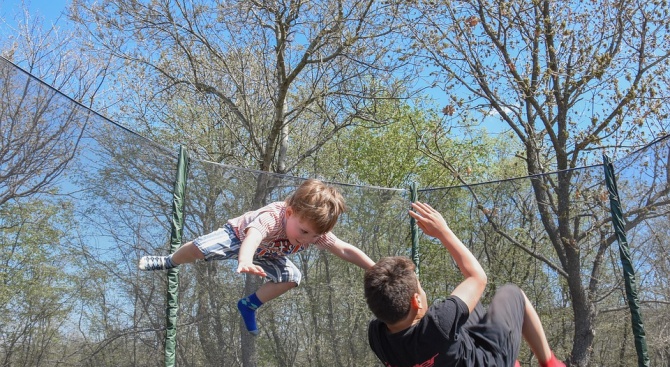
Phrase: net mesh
x=109 y=198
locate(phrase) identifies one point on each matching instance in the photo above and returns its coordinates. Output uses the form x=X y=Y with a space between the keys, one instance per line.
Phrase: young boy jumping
x=454 y=332
x=260 y=240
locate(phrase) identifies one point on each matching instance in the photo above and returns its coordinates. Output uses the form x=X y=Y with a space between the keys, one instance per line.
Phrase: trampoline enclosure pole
x=627 y=265
x=414 y=230
x=172 y=304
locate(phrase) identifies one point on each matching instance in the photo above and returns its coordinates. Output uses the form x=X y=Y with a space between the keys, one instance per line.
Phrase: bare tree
x=39 y=137
x=40 y=131
x=259 y=84
x=566 y=79
x=260 y=74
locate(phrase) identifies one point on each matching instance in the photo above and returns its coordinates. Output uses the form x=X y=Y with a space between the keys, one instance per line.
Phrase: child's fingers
x=253 y=269
x=417 y=211
x=418 y=206
x=428 y=219
x=422 y=208
x=421 y=211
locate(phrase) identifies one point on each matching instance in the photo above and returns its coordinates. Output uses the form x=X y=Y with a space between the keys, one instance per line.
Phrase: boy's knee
x=510 y=288
x=510 y=293
x=286 y=285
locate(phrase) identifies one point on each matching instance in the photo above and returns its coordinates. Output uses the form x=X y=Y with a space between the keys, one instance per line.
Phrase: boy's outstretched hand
x=428 y=219
x=250 y=268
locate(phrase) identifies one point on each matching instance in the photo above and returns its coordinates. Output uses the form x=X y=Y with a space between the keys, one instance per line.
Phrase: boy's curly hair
x=317 y=203
x=389 y=286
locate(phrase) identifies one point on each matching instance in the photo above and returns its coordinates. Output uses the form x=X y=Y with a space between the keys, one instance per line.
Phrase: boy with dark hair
x=453 y=332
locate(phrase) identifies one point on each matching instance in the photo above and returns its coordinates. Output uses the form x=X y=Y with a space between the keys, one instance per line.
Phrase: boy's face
x=298 y=230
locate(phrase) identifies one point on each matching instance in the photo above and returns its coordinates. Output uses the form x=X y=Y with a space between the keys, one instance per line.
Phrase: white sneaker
x=154 y=263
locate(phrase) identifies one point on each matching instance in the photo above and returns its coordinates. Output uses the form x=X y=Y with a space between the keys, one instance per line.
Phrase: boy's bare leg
x=269 y=290
x=533 y=333
x=186 y=254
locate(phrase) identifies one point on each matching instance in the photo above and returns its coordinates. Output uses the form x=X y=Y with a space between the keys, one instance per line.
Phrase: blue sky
x=50 y=10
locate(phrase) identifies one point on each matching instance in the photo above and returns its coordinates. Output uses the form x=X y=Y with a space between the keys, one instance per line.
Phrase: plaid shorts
x=224 y=244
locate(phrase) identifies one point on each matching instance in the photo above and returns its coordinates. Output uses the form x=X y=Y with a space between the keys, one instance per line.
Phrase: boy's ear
x=416 y=302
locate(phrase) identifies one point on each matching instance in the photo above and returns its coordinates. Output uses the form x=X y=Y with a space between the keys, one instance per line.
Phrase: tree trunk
x=557 y=226
x=249 y=357
x=584 y=315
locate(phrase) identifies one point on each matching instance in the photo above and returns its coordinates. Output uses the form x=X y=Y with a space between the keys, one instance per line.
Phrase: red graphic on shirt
x=428 y=363
x=279 y=248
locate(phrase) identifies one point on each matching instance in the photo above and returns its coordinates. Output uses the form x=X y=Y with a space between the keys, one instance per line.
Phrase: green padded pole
x=172 y=306
x=626 y=263
x=413 y=196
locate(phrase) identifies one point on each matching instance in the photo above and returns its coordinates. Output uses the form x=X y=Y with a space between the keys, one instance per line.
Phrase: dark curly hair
x=389 y=286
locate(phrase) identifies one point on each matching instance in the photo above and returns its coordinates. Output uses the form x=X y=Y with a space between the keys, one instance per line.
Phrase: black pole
x=627 y=264
x=413 y=194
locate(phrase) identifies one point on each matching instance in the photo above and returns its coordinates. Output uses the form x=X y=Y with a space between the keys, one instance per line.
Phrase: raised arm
x=433 y=224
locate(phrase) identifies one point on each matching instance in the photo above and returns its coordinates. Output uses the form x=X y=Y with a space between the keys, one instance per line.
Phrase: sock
x=248 y=307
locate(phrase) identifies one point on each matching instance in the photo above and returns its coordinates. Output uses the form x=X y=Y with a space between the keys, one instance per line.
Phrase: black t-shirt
x=439 y=339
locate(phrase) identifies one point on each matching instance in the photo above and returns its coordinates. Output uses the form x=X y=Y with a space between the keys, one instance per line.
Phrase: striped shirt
x=270 y=222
